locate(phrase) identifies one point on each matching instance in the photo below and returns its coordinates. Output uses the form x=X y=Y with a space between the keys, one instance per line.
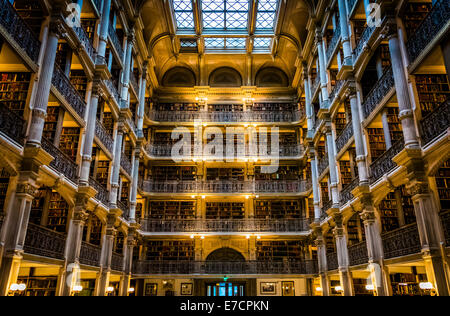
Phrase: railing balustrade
x=116 y=42
x=401 y=242
x=357 y=254
x=12 y=125
x=125 y=163
x=102 y=193
x=68 y=91
x=384 y=164
x=90 y=254
x=113 y=90
x=104 y=136
x=436 y=123
x=381 y=89
x=334 y=42
x=365 y=36
x=323 y=164
x=346 y=193
x=61 y=162
x=117 y=262
x=344 y=137
x=44 y=242
x=332 y=261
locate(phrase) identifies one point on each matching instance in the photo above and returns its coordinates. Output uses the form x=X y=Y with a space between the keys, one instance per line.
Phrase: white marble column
x=315 y=184
x=104 y=28
x=106 y=256
x=342 y=255
x=344 y=23
x=128 y=261
x=141 y=109
x=116 y=165
x=322 y=262
x=322 y=70
x=134 y=183
x=332 y=166
x=127 y=70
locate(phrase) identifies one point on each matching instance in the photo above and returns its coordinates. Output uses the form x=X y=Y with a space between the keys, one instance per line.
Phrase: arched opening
x=225 y=255
x=179 y=77
x=225 y=77
x=271 y=77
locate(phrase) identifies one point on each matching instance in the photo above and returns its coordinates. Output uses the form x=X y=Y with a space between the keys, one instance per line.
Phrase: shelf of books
x=279 y=209
x=271 y=250
x=176 y=107
x=172 y=210
x=172 y=173
x=225 y=210
x=69 y=141
x=51 y=123
x=274 y=107
x=359 y=287
x=4 y=183
x=14 y=88
x=103 y=172
x=58 y=211
x=89 y=27
x=225 y=107
x=95 y=231
x=443 y=186
x=63 y=50
x=407 y=284
x=353 y=230
x=414 y=14
x=395 y=126
x=170 y=250
x=229 y=174
x=37 y=206
x=433 y=90
x=407 y=206
x=340 y=122
x=283 y=173
x=346 y=172
x=377 y=142
x=32 y=14
x=119 y=242
x=389 y=213
x=79 y=81
x=38 y=286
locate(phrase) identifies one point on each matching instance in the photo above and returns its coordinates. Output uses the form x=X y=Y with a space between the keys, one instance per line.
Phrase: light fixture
x=202 y=236
x=109 y=289
x=248 y=236
x=203 y=196
x=192 y=236
x=193 y=196
x=77 y=288
x=131 y=290
x=370 y=287
x=247 y=197
x=18 y=287
x=338 y=288
x=257 y=196
x=255 y=159
x=258 y=237
x=319 y=289
x=426 y=286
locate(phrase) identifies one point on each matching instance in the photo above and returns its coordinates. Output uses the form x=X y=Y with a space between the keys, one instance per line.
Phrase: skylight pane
x=215 y=43
x=262 y=43
x=238 y=42
x=266 y=15
x=184 y=14
x=225 y=14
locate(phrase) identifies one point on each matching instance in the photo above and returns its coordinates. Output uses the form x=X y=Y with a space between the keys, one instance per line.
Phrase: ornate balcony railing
x=346 y=193
x=12 y=125
x=436 y=123
x=332 y=261
x=315 y=84
x=378 y=92
x=351 y=5
x=227 y=117
x=344 y=137
x=68 y=92
x=90 y=254
x=334 y=42
x=102 y=193
x=336 y=89
x=125 y=163
x=365 y=36
x=125 y=207
x=18 y=30
x=435 y=21
x=44 y=242
x=401 y=242
x=113 y=90
x=326 y=206
x=357 y=254
x=306 y=267
x=445 y=220
x=323 y=164
x=104 y=136
x=282 y=186
x=117 y=262
x=85 y=42
x=384 y=164
x=115 y=42
x=61 y=162
x=134 y=84
x=224 y=225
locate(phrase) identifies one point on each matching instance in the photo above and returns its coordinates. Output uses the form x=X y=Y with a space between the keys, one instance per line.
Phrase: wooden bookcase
x=108 y=123
x=89 y=27
x=58 y=211
x=119 y=242
x=37 y=206
x=443 y=185
x=170 y=250
x=346 y=172
x=103 y=172
x=225 y=107
x=62 y=52
x=14 y=88
x=278 y=250
x=407 y=206
x=432 y=91
x=230 y=174
x=173 y=173
x=353 y=230
x=125 y=193
x=176 y=106
x=340 y=122
x=274 y=107
x=377 y=142
x=324 y=191
x=69 y=141
x=225 y=210
x=395 y=126
x=96 y=227
x=414 y=14
x=389 y=213
x=385 y=56
x=4 y=183
x=283 y=173
x=172 y=210
x=280 y=209
x=38 y=286
x=32 y=14
x=329 y=243
x=407 y=284
x=51 y=123
x=79 y=81
x=359 y=287
x=311 y=211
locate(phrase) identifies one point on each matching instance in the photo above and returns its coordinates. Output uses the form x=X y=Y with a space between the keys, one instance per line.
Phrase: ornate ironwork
x=436 y=123
x=134 y=84
x=315 y=84
x=44 y=242
x=344 y=137
x=61 y=162
x=305 y=267
x=68 y=91
x=378 y=92
x=365 y=36
x=117 y=262
x=332 y=261
x=346 y=193
x=238 y=225
x=115 y=42
x=125 y=207
x=90 y=254
x=18 y=30
x=435 y=21
x=336 y=90
x=12 y=125
x=113 y=90
x=102 y=193
x=401 y=242
x=357 y=254
x=351 y=5
x=326 y=205
x=125 y=163
x=85 y=42
x=334 y=42
x=384 y=164
x=323 y=164
x=103 y=135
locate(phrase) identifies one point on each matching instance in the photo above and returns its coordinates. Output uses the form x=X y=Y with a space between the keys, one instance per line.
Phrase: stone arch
x=225 y=254
x=179 y=77
x=437 y=164
x=225 y=77
x=271 y=77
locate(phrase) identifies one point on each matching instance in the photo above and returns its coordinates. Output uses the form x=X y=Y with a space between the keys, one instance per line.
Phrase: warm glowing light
x=192 y=236
x=202 y=237
x=193 y=196
x=319 y=289
x=109 y=289
x=131 y=290
x=426 y=286
x=77 y=288
x=14 y=287
x=370 y=287
x=258 y=237
x=203 y=196
x=247 y=197
x=257 y=196
x=338 y=288
x=248 y=236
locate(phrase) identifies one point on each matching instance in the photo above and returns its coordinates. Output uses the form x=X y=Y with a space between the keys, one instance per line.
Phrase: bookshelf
x=346 y=172
x=359 y=287
x=406 y=284
x=432 y=91
x=274 y=107
x=324 y=191
x=311 y=211
x=280 y=209
x=69 y=141
x=58 y=211
x=125 y=193
x=443 y=185
x=225 y=210
x=62 y=51
x=340 y=122
x=352 y=153
x=395 y=126
x=230 y=174
x=278 y=250
x=176 y=106
x=103 y=172
x=14 y=90
x=96 y=231
x=39 y=286
x=172 y=210
x=51 y=123
x=4 y=182
x=79 y=81
x=108 y=123
x=389 y=213
x=415 y=13
x=385 y=57
x=283 y=173
x=119 y=242
x=170 y=250
x=329 y=243
x=89 y=27
x=37 y=206
x=377 y=142
x=407 y=206
x=353 y=230
x=32 y=13
x=225 y=107
x=139 y=213
x=172 y=173
x=358 y=28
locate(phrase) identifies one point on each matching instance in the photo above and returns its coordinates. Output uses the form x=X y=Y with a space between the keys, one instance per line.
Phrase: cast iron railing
x=125 y=163
x=365 y=36
x=90 y=254
x=357 y=254
x=117 y=262
x=401 y=242
x=44 y=242
x=333 y=42
x=344 y=137
x=381 y=89
x=102 y=193
x=12 y=125
x=61 y=162
x=346 y=193
x=436 y=123
x=103 y=136
x=68 y=91
x=384 y=164
x=115 y=42
x=323 y=164
x=332 y=261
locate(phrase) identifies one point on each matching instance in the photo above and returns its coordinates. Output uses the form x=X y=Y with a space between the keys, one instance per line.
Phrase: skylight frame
x=221 y=9
x=184 y=16
x=265 y=13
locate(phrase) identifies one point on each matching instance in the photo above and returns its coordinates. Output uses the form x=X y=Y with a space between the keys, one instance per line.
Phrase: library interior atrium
x=224 y=148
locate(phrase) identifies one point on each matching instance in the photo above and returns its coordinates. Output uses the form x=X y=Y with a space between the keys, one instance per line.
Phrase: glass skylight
x=225 y=43
x=266 y=15
x=225 y=14
x=262 y=43
x=184 y=14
